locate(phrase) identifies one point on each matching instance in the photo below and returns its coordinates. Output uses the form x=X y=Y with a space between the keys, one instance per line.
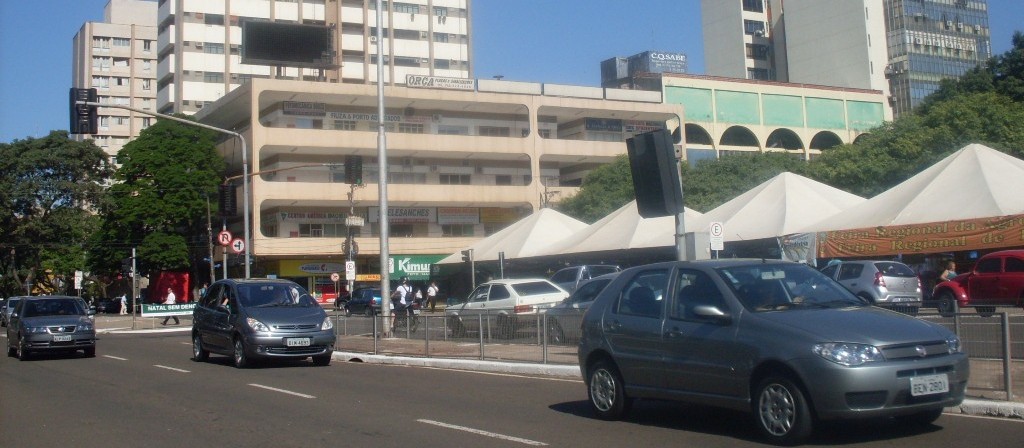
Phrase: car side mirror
x=712 y=313
x=91 y=312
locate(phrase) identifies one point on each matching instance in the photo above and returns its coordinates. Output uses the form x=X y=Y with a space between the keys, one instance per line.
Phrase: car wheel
x=946 y=304
x=458 y=331
x=781 y=412
x=985 y=311
x=555 y=334
x=11 y=351
x=322 y=360
x=23 y=354
x=90 y=352
x=199 y=353
x=368 y=311
x=921 y=418
x=606 y=391
x=348 y=311
x=241 y=359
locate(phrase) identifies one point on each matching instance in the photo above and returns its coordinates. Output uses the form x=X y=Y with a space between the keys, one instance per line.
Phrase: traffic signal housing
x=228 y=204
x=83 y=117
x=354 y=170
x=652 y=162
x=467 y=255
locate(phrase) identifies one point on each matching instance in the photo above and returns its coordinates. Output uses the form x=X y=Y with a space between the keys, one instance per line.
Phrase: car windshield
x=52 y=307
x=786 y=286
x=534 y=288
x=274 y=294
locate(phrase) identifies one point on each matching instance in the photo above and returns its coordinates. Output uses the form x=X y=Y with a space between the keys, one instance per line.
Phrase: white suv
x=504 y=306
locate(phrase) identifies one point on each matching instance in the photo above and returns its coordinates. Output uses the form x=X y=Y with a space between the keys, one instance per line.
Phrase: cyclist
x=401 y=301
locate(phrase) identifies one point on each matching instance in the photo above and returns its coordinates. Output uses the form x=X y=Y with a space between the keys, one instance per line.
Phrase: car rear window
x=534 y=288
x=597 y=271
x=892 y=269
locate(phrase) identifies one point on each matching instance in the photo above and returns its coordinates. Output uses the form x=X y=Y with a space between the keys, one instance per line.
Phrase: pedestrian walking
x=171 y=299
x=124 y=304
x=432 y=295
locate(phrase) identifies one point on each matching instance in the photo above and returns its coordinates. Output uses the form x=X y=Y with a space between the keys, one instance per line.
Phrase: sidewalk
x=117 y=324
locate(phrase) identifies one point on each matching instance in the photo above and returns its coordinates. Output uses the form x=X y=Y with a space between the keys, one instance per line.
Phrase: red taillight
x=879 y=279
x=520 y=309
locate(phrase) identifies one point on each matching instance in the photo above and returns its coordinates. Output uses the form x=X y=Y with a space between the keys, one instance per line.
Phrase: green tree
x=604 y=190
x=158 y=201
x=48 y=189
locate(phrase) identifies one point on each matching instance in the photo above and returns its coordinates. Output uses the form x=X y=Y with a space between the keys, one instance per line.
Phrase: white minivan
x=503 y=307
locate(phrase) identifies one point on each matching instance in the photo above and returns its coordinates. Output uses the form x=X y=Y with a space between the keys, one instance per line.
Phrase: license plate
x=297 y=342
x=929 y=384
x=61 y=338
x=904 y=299
x=415 y=311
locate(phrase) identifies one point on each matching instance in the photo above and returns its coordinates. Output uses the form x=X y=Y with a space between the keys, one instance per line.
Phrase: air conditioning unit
x=949 y=24
x=442 y=19
x=436 y=118
x=959 y=46
x=917 y=41
x=373 y=39
x=960 y=25
x=199 y=45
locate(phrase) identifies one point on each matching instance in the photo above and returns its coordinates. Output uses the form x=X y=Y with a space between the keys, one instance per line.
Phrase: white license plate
x=61 y=338
x=297 y=342
x=929 y=384
x=415 y=311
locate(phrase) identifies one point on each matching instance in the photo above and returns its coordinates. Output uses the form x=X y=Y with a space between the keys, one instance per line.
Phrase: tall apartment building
x=199 y=44
x=118 y=58
x=932 y=40
x=903 y=48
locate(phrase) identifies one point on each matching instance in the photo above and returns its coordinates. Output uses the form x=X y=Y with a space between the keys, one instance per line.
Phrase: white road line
x=171 y=368
x=484 y=433
x=115 y=357
x=281 y=390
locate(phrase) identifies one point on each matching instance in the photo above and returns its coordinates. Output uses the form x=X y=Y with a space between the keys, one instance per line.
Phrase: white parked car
x=504 y=306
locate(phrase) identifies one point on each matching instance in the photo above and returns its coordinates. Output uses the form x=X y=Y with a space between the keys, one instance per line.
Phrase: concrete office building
x=118 y=57
x=932 y=40
x=199 y=44
x=463 y=162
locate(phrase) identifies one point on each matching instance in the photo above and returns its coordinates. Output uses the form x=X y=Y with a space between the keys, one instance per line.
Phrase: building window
x=146 y=122
x=121 y=82
x=344 y=125
x=311 y=230
x=147 y=65
x=753 y=27
x=757 y=51
x=442 y=64
x=495 y=131
x=454 y=179
x=213 y=48
x=753 y=5
x=214 y=77
x=407 y=8
x=410 y=128
x=213 y=19
x=146 y=84
x=758 y=73
x=456 y=230
x=441 y=37
x=122 y=42
x=503 y=179
x=147 y=46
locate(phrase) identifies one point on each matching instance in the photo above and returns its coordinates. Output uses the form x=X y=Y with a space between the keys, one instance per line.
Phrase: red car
x=997 y=280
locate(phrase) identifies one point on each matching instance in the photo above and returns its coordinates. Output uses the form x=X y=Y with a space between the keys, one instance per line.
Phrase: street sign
x=335 y=277
x=350 y=270
x=717 y=236
x=224 y=238
x=237 y=246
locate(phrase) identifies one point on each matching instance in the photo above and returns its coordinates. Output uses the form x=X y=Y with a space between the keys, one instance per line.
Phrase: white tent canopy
x=622 y=229
x=780 y=206
x=974 y=182
x=528 y=237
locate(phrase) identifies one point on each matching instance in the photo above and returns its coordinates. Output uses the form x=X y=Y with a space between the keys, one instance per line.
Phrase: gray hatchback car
x=261 y=319
x=50 y=324
x=889 y=284
x=777 y=339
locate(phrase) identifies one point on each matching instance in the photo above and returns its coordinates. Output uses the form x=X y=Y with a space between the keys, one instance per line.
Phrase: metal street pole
x=245 y=161
x=382 y=175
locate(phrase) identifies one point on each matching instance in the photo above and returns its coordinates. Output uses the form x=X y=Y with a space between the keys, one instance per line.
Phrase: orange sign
x=948 y=236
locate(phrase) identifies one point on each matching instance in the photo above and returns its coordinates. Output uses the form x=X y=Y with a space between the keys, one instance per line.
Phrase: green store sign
x=416 y=267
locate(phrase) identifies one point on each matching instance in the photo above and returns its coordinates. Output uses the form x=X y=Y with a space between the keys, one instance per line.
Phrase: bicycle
x=407 y=318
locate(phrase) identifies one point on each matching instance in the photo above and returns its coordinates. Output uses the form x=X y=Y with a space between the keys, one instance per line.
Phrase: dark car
x=8 y=308
x=108 y=306
x=50 y=324
x=777 y=339
x=996 y=280
x=569 y=278
x=261 y=319
x=363 y=301
x=563 y=320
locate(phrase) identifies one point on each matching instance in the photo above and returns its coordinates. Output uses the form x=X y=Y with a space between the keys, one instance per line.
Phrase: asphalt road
x=144 y=390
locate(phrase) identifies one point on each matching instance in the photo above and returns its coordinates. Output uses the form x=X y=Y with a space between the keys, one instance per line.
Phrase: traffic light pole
x=245 y=164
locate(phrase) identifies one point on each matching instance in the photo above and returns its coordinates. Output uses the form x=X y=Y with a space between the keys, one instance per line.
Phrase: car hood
x=867 y=325
x=52 y=321
x=288 y=315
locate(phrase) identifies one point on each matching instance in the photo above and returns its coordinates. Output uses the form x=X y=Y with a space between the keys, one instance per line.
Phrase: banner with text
x=948 y=236
x=178 y=309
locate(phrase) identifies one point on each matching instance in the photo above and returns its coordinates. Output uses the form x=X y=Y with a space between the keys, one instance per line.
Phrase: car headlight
x=848 y=354
x=327 y=325
x=35 y=330
x=85 y=326
x=256 y=325
x=953 y=342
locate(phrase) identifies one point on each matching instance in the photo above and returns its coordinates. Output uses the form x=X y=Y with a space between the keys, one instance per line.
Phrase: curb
x=987 y=408
x=558 y=371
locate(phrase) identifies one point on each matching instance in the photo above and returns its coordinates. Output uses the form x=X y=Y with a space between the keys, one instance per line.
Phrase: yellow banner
x=948 y=236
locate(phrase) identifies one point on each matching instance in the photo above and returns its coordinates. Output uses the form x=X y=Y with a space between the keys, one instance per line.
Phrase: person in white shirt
x=171 y=299
x=401 y=300
x=432 y=295
x=124 y=304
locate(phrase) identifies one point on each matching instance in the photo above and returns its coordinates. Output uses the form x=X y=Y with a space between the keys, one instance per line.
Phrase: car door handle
x=673 y=333
x=612 y=326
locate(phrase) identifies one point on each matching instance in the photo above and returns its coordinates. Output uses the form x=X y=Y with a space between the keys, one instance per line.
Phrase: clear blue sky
x=551 y=41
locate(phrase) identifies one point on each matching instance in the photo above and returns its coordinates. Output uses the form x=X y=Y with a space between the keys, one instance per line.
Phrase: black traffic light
x=652 y=162
x=354 y=170
x=228 y=204
x=126 y=267
x=83 y=117
x=467 y=255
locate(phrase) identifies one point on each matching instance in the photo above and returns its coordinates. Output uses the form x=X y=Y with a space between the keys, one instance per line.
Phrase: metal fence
x=994 y=343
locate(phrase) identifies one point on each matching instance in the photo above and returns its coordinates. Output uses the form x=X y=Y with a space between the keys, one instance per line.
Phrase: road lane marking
x=281 y=390
x=484 y=433
x=115 y=357
x=171 y=368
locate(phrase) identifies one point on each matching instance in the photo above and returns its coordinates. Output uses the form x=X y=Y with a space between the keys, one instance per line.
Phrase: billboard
x=287 y=44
